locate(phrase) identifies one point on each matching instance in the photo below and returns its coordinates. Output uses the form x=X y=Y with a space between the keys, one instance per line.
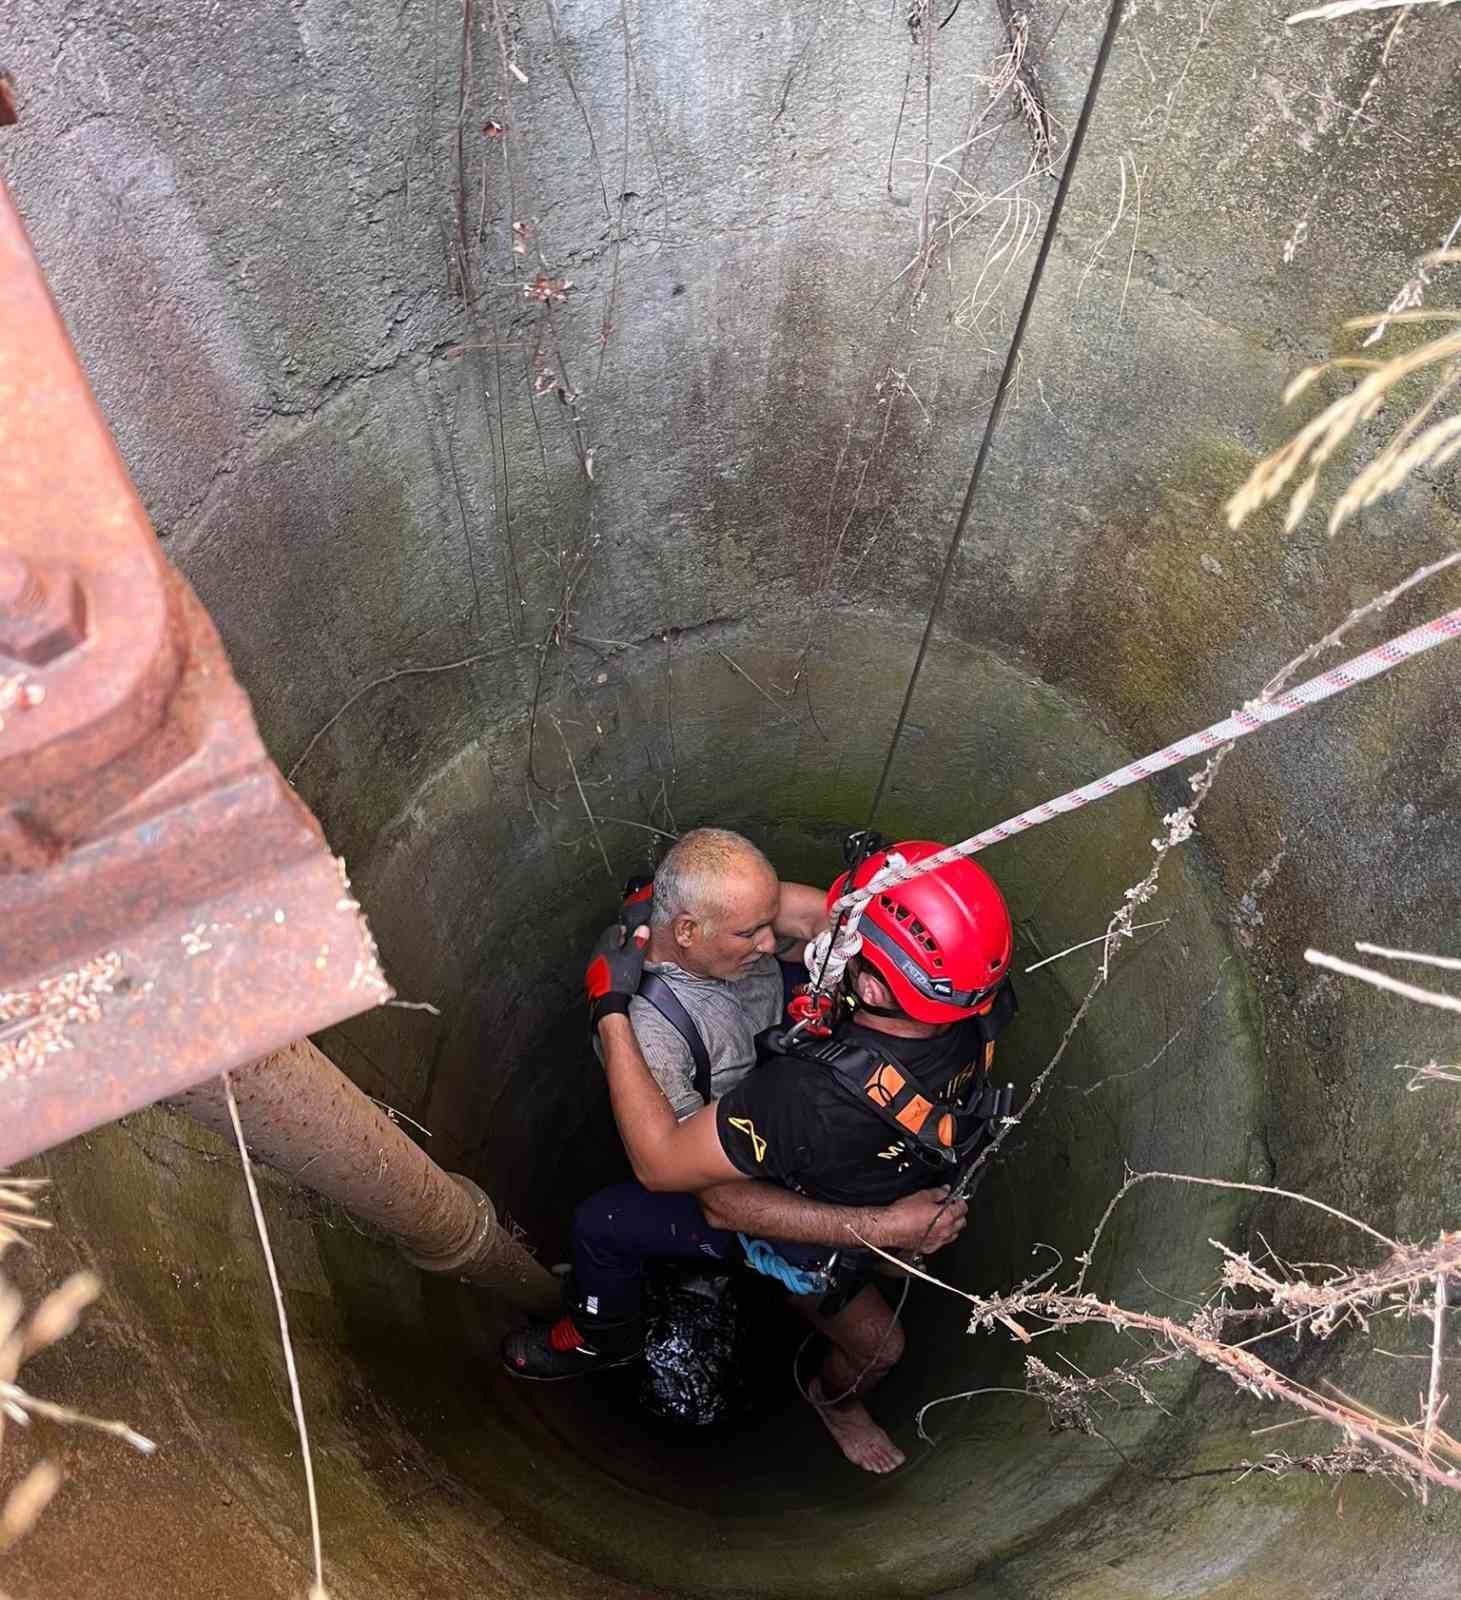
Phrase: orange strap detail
x=915 y=1113
x=885 y=1085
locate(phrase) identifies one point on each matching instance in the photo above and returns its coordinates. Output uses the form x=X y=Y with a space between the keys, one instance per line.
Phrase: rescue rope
x=764 y=1258
x=1257 y=713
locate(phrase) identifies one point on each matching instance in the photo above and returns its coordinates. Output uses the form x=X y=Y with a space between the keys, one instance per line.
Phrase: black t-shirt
x=791 y=1122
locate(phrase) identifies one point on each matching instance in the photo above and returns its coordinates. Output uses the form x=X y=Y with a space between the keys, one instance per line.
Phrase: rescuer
x=872 y=1122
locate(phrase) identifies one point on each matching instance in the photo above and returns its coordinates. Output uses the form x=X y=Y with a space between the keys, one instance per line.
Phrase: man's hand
x=614 y=970
x=922 y=1222
x=638 y=902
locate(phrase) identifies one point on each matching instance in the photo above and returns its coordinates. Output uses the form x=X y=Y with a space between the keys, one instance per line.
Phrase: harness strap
x=653 y=988
x=892 y=1092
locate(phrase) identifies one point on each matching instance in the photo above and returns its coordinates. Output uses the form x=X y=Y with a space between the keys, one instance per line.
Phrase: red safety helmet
x=942 y=942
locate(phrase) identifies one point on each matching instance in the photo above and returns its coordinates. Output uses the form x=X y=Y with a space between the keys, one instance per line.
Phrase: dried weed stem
x=1382 y=980
x=57 y=1315
x=1412 y=447
x=1346 y=8
x=1423 y=1453
x=318 y=1591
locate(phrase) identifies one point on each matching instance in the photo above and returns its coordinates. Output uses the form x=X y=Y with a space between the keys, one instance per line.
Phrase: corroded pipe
x=304 y=1117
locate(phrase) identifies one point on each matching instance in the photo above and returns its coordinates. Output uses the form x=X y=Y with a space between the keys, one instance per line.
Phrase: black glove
x=614 y=970
x=638 y=902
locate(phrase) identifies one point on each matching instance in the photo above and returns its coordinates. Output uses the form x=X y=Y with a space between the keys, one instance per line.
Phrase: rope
x=867 y=1366
x=764 y=1258
x=1006 y=380
x=1255 y=714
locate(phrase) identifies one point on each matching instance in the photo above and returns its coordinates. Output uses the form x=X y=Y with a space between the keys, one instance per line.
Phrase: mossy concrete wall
x=282 y=236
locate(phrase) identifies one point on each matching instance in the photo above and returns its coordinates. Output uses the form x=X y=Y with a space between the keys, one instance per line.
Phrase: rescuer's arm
x=668 y=1057
x=689 y=1157
x=665 y=1154
x=801 y=915
x=925 y=1221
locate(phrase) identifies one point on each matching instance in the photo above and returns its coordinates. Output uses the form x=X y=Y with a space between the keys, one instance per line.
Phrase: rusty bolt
x=42 y=611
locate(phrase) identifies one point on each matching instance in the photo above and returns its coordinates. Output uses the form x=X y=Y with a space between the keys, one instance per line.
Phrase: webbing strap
x=653 y=988
x=880 y=1083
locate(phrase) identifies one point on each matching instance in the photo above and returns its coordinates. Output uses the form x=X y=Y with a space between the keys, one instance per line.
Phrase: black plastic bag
x=690 y=1344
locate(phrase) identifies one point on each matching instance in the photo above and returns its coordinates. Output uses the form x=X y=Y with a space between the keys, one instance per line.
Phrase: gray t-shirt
x=729 y=1015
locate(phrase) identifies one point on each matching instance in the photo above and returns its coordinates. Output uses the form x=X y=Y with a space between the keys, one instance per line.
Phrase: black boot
x=574 y=1345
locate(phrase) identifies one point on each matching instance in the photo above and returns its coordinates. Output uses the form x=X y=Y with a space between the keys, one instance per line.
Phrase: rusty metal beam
x=168 y=906
x=303 y=1116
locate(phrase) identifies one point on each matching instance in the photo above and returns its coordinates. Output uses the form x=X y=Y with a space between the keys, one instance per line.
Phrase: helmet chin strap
x=881 y=1011
x=856 y=965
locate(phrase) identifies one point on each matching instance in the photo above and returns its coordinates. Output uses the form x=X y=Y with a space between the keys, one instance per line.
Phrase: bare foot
x=858 y=1437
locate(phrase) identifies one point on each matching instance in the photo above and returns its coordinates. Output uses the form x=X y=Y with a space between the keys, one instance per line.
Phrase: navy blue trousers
x=617 y=1230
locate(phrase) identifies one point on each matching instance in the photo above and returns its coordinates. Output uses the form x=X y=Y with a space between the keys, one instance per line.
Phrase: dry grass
x=1431 y=1072
x=1408 y=1283
x=1346 y=8
x=962 y=202
x=18 y=1209
x=1017 y=230
x=1382 y=980
x=1345 y=1461
x=1422 y=440
x=22 y=1337
x=1283 y=1301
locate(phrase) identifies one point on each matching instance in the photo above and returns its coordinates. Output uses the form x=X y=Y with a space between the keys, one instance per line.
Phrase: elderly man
x=719 y=917
x=931 y=1003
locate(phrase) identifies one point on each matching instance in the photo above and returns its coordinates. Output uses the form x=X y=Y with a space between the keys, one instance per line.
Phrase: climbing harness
x=828 y=956
x=876 y=1080
x=658 y=993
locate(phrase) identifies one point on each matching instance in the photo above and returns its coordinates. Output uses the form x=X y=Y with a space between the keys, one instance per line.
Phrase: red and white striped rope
x=1254 y=715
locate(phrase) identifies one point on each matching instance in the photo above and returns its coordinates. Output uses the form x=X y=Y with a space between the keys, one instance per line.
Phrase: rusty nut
x=42 y=611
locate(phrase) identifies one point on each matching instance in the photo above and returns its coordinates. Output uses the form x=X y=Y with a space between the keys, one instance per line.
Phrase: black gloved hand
x=638 y=901
x=614 y=970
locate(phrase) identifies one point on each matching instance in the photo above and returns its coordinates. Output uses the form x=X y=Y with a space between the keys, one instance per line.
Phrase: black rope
x=1113 y=21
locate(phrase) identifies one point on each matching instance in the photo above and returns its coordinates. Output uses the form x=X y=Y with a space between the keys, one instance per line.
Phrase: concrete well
x=282 y=235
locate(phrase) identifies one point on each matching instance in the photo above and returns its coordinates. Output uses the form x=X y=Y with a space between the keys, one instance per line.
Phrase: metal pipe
x=304 y=1117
